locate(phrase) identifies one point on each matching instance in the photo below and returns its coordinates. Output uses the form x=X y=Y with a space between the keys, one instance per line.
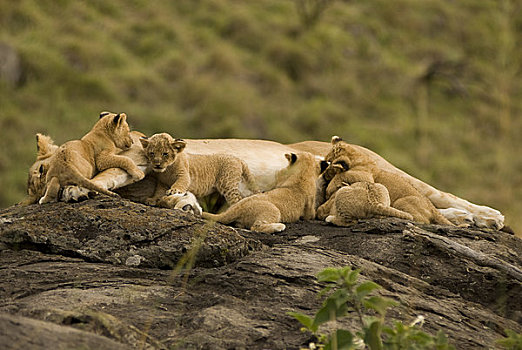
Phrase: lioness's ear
x=104 y=113
x=44 y=144
x=336 y=139
x=178 y=144
x=144 y=141
x=292 y=157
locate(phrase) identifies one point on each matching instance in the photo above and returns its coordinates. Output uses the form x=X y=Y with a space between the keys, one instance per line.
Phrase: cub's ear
x=341 y=165
x=336 y=139
x=44 y=145
x=178 y=144
x=119 y=119
x=292 y=157
x=144 y=141
x=104 y=113
x=323 y=164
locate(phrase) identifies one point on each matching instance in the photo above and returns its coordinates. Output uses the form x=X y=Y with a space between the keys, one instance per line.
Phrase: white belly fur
x=264 y=158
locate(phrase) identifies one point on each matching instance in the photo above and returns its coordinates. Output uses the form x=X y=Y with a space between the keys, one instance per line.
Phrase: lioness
x=76 y=162
x=178 y=172
x=264 y=160
x=292 y=198
x=403 y=195
x=362 y=200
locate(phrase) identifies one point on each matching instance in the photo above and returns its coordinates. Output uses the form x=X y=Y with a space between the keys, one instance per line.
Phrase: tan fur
x=76 y=162
x=107 y=179
x=362 y=200
x=265 y=158
x=292 y=199
x=178 y=172
x=403 y=195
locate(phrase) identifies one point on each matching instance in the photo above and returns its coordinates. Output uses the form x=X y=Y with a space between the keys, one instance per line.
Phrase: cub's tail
x=80 y=180
x=249 y=178
x=438 y=218
x=226 y=217
x=390 y=211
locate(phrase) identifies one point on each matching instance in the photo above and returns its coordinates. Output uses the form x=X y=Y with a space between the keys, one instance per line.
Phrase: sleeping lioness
x=264 y=159
x=76 y=162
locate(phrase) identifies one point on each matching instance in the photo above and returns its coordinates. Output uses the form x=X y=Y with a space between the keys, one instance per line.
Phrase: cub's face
x=117 y=128
x=161 y=150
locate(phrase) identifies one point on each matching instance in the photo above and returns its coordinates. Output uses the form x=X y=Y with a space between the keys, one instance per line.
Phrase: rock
x=10 y=65
x=145 y=277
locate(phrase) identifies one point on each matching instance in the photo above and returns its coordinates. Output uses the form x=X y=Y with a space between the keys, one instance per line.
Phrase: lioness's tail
x=390 y=211
x=249 y=178
x=80 y=180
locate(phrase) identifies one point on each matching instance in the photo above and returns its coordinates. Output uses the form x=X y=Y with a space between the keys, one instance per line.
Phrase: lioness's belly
x=264 y=158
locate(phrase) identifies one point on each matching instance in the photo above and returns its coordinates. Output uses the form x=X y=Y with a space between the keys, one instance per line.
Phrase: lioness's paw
x=175 y=192
x=75 y=194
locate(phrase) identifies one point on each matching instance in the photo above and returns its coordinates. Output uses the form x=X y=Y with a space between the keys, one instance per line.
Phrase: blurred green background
x=434 y=86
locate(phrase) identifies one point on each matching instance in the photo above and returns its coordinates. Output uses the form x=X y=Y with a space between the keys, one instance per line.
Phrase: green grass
x=434 y=86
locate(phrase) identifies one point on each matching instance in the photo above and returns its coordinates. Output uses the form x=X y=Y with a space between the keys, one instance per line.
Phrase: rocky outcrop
x=114 y=274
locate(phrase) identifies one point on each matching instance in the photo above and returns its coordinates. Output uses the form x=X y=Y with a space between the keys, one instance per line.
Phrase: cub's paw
x=151 y=201
x=137 y=175
x=329 y=219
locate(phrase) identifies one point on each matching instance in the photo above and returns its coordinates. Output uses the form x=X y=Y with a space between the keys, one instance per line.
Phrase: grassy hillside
x=434 y=86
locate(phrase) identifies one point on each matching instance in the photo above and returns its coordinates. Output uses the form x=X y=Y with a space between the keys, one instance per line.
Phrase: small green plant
x=513 y=341
x=346 y=295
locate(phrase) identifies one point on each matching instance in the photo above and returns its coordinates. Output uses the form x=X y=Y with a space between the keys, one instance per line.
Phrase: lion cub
x=76 y=162
x=348 y=202
x=362 y=200
x=202 y=174
x=293 y=198
x=403 y=195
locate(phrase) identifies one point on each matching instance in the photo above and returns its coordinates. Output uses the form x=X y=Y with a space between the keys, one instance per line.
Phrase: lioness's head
x=161 y=150
x=45 y=149
x=115 y=126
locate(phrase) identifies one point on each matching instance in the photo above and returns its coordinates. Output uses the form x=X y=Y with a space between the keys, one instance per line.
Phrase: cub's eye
x=165 y=154
x=151 y=154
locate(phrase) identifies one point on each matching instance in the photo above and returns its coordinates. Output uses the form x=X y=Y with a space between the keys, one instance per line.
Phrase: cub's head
x=301 y=165
x=161 y=150
x=337 y=166
x=346 y=154
x=115 y=126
